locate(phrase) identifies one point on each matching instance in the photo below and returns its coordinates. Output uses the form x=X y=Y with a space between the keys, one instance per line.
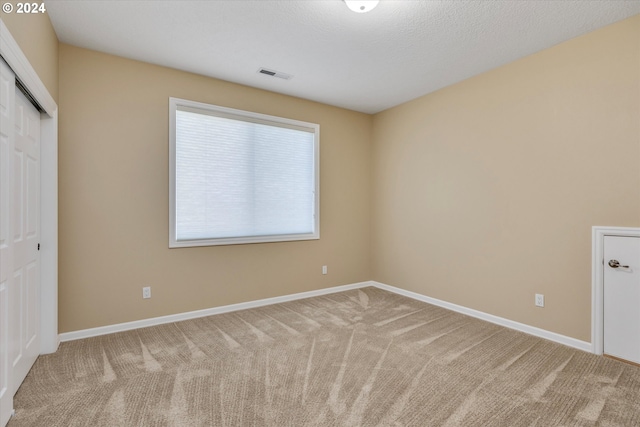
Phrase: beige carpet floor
x=358 y=358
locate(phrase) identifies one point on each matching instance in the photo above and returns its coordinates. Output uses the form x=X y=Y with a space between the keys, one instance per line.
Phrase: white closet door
x=19 y=238
x=25 y=291
x=7 y=100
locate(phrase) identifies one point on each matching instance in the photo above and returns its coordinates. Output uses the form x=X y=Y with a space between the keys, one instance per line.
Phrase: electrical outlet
x=146 y=292
x=539 y=300
x=324 y=269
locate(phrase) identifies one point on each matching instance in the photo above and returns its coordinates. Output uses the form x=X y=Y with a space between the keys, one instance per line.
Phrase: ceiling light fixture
x=361 y=6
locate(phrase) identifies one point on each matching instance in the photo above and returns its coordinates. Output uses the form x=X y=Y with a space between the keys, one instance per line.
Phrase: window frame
x=174 y=104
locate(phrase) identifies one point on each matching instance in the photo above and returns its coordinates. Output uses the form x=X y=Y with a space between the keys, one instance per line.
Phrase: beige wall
x=38 y=41
x=480 y=194
x=485 y=192
x=114 y=198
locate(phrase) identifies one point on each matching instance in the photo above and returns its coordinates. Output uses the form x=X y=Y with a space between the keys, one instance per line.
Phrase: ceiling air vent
x=273 y=73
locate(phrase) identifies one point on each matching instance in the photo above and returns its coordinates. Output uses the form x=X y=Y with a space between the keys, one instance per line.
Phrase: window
x=240 y=177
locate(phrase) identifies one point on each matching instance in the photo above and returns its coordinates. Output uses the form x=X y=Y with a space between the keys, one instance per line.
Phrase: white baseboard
x=531 y=330
x=144 y=323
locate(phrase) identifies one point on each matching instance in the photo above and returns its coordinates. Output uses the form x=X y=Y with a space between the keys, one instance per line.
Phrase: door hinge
x=38 y=246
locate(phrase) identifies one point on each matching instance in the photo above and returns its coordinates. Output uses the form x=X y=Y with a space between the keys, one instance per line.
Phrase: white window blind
x=240 y=177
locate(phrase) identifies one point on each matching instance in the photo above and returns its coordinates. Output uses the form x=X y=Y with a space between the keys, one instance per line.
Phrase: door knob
x=614 y=263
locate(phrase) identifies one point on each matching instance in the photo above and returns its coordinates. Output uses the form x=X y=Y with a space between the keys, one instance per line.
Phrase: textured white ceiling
x=365 y=62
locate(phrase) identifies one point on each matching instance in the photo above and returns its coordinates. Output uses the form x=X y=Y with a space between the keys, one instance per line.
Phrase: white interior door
x=24 y=295
x=19 y=238
x=622 y=297
x=7 y=100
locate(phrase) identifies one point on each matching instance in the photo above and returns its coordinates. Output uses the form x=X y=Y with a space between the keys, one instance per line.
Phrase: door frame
x=597 y=281
x=10 y=51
